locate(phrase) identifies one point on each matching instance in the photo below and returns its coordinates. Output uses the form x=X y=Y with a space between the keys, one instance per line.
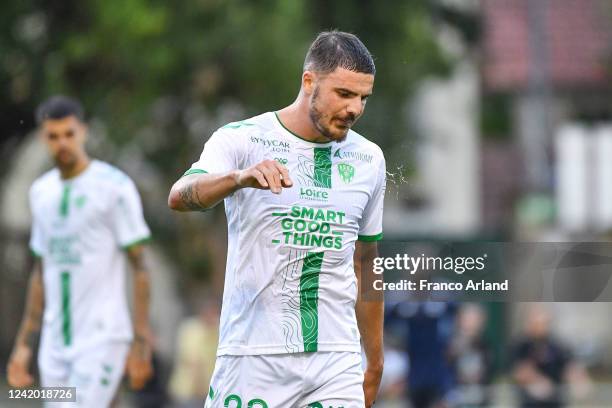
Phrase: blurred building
x=443 y=198
x=546 y=69
x=551 y=61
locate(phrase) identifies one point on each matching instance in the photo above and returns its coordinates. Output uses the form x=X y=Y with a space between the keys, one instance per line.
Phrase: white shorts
x=96 y=373
x=301 y=380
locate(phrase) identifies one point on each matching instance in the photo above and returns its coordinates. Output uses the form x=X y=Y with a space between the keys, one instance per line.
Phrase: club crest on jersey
x=80 y=201
x=346 y=171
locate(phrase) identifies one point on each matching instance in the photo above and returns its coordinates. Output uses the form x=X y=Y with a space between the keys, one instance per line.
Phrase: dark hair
x=333 y=49
x=59 y=107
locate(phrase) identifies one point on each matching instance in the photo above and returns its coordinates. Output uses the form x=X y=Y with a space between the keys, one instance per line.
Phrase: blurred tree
x=163 y=75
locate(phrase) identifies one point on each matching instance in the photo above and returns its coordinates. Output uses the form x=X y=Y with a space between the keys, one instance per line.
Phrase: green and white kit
x=80 y=229
x=297 y=380
x=290 y=285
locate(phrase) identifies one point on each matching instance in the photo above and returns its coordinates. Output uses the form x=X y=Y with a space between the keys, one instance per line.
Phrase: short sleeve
x=220 y=154
x=36 y=239
x=37 y=245
x=128 y=221
x=370 y=225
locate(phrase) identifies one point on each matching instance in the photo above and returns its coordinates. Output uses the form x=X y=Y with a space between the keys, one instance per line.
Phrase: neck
x=296 y=118
x=73 y=171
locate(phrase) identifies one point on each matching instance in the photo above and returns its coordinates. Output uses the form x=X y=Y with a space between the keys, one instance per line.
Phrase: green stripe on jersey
x=194 y=171
x=65 y=203
x=370 y=238
x=309 y=300
x=66 y=329
x=323 y=166
x=138 y=241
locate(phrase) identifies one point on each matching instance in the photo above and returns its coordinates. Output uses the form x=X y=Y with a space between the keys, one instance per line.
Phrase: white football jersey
x=81 y=228
x=290 y=285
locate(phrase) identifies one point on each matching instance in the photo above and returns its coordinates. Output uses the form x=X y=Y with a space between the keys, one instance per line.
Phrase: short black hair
x=59 y=107
x=333 y=49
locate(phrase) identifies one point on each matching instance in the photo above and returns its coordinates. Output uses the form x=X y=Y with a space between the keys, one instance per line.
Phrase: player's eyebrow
x=352 y=93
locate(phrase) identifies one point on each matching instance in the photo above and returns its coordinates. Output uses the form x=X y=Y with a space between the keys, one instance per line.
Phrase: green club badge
x=346 y=171
x=80 y=201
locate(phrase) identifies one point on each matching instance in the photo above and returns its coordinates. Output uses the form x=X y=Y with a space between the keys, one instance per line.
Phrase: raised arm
x=201 y=191
x=370 y=313
x=19 y=362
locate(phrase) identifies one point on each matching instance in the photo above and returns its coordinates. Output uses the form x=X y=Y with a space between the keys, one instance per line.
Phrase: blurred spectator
x=430 y=328
x=471 y=359
x=195 y=358
x=542 y=365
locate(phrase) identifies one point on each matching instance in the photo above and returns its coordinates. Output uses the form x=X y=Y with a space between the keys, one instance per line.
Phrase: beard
x=65 y=160
x=318 y=120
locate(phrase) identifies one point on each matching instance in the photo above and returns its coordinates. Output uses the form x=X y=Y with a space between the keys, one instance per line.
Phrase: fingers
x=18 y=376
x=276 y=175
x=285 y=179
x=139 y=372
x=260 y=178
x=269 y=174
x=272 y=177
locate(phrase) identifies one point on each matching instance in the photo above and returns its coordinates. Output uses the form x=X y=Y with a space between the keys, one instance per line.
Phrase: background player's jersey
x=290 y=285
x=80 y=228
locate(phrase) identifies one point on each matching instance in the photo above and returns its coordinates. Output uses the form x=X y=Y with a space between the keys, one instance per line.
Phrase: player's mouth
x=345 y=124
x=64 y=156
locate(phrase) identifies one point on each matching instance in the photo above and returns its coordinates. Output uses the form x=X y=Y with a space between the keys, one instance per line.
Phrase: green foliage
x=163 y=75
x=120 y=56
x=495 y=118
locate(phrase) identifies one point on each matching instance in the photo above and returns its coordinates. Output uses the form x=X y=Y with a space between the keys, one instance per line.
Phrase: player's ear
x=84 y=130
x=308 y=81
x=42 y=134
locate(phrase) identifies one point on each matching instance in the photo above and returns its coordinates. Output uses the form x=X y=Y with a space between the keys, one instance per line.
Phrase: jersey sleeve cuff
x=138 y=241
x=194 y=171
x=35 y=253
x=370 y=238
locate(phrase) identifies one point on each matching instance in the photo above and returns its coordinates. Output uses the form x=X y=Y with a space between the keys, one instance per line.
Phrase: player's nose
x=354 y=107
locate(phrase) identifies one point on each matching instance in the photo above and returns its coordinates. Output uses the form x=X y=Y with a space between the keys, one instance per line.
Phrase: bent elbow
x=174 y=200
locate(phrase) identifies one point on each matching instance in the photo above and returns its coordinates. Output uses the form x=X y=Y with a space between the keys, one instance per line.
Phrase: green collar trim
x=295 y=134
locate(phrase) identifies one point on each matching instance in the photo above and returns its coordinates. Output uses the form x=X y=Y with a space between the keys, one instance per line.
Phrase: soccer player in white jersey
x=304 y=200
x=87 y=224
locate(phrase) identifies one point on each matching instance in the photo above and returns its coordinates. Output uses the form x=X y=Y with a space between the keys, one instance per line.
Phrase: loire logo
x=315 y=174
x=346 y=171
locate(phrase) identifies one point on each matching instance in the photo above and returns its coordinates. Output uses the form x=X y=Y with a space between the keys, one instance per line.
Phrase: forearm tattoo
x=189 y=197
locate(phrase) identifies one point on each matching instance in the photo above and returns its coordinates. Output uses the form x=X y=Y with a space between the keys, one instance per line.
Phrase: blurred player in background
x=87 y=222
x=304 y=202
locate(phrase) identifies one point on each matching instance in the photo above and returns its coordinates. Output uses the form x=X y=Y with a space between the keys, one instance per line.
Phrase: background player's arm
x=370 y=313
x=197 y=192
x=19 y=362
x=139 y=360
